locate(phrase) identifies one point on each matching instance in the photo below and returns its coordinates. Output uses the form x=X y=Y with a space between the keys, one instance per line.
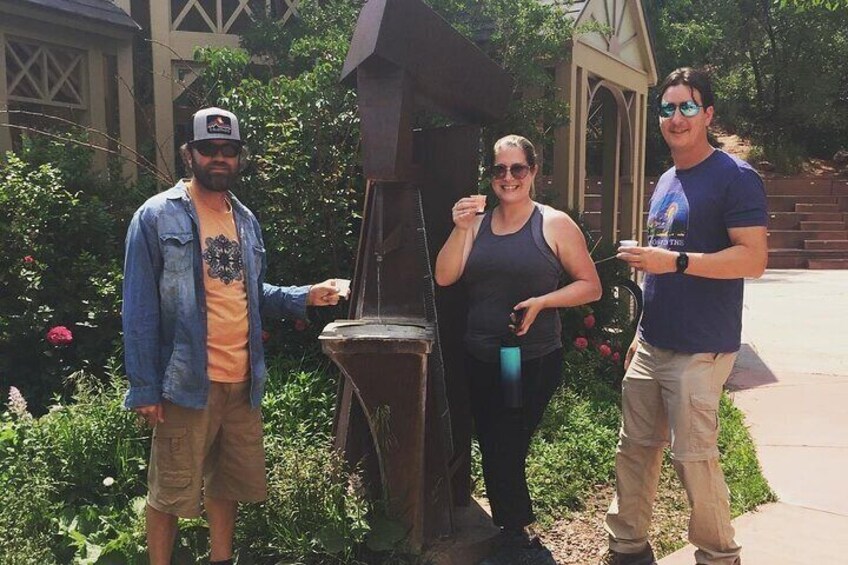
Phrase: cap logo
x=219 y=125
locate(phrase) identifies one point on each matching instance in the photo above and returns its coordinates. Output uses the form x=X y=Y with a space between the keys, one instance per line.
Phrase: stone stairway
x=807 y=223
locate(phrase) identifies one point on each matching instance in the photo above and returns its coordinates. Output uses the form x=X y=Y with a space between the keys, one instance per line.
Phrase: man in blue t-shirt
x=706 y=232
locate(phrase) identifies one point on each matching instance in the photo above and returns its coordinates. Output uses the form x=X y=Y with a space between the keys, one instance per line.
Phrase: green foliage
x=60 y=265
x=70 y=481
x=777 y=66
x=748 y=487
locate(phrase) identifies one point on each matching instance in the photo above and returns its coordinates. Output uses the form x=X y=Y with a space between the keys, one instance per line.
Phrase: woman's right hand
x=464 y=213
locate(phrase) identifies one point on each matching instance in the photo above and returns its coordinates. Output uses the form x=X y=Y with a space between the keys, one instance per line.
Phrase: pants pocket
x=704 y=420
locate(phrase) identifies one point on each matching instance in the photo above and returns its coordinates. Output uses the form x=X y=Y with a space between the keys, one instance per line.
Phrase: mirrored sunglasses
x=688 y=109
x=210 y=149
x=517 y=170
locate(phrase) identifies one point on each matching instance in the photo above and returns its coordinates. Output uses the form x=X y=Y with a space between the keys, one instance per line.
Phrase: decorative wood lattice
x=44 y=73
x=226 y=16
x=614 y=13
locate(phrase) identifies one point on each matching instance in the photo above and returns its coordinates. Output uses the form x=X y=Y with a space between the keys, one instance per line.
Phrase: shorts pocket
x=176 y=251
x=173 y=451
x=705 y=425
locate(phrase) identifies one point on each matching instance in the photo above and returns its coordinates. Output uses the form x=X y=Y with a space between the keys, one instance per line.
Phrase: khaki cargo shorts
x=216 y=452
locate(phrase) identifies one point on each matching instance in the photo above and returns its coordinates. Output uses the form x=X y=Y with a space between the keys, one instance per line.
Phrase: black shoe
x=535 y=554
x=644 y=557
x=509 y=546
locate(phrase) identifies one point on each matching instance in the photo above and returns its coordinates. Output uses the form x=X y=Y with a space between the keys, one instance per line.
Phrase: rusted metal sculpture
x=403 y=411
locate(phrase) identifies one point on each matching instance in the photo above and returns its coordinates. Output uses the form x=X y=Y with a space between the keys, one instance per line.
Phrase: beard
x=216 y=181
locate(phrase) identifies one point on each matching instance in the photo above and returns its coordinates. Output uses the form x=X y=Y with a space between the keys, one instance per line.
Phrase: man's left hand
x=654 y=260
x=323 y=294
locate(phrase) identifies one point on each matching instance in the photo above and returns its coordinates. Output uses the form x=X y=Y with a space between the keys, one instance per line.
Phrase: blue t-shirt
x=691 y=210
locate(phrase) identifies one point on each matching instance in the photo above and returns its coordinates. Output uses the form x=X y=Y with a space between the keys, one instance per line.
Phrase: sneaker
x=644 y=557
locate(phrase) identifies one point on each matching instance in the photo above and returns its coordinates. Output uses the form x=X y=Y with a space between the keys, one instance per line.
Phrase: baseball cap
x=215 y=123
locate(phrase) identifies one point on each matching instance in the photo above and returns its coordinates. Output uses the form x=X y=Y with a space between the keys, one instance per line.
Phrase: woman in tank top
x=513 y=259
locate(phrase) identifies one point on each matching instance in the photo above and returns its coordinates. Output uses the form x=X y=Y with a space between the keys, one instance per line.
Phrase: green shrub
x=60 y=265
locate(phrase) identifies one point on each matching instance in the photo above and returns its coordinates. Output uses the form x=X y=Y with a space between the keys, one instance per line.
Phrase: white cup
x=481 y=202
x=628 y=243
x=344 y=287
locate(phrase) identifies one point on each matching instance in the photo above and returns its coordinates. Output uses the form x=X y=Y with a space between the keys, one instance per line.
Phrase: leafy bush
x=72 y=482
x=60 y=265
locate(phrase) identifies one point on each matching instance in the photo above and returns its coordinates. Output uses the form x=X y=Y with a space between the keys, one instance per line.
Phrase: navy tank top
x=501 y=271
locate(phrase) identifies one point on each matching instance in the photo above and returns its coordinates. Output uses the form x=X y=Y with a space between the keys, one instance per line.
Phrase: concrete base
x=474 y=539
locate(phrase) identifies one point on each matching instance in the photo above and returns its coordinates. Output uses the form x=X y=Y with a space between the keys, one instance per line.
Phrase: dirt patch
x=741 y=147
x=580 y=537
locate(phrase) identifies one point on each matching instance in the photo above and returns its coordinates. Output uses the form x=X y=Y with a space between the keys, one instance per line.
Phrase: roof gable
x=630 y=40
x=100 y=10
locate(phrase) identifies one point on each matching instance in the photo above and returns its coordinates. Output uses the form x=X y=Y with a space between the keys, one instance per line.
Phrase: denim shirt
x=164 y=309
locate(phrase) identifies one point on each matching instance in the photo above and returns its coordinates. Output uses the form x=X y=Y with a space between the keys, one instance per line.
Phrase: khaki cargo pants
x=671 y=398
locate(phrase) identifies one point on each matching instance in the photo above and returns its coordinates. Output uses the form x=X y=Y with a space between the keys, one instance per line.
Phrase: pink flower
x=589 y=322
x=266 y=335
x=60 y=335
x=616 y=357
x=17 y=403
x=581 y=343
x=300 y=324
x=29 y=259
x=604 y=350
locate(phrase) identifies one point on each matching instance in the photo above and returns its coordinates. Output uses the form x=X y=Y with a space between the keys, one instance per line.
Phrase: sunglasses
x=517 y=170
x=689 y=109
x=210 y=149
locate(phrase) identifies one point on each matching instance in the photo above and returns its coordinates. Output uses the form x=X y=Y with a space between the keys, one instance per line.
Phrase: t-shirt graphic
x=668 y=219
x=223 y=258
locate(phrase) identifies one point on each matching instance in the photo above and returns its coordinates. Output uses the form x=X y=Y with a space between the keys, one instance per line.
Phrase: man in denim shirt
x=194 y=293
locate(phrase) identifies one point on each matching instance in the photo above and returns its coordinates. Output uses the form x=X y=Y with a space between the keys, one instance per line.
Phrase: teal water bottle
x=511 y=371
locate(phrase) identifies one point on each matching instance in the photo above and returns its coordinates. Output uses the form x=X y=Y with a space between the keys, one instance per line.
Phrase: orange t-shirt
x=226 y=295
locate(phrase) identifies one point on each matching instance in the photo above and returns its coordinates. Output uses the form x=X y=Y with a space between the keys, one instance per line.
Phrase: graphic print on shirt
x=668 y=219
x=223 y=257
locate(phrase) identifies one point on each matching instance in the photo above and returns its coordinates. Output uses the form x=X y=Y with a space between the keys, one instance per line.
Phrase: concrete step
x=794 y=186
x=799 y=258
x=840 y=187
x=794 y=239
x=822 y=226
x=826 y=244
x=792 y=220
x=817 y=207
x=822 y=264
x=787 y=203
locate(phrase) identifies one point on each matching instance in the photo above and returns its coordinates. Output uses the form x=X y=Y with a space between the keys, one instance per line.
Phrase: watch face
x=682 y=262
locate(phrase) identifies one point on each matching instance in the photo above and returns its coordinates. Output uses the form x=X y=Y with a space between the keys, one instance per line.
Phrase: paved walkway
x=791 y=381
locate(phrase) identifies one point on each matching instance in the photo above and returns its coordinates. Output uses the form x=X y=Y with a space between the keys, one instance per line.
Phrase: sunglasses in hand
x=688 y=109
x=210 y=148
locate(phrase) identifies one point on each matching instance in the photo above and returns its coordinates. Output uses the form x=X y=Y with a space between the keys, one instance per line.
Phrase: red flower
x=604 y=350
x=60 y=335
x=616 y=357
x=589 y=322
x=581 y=343
x=300 y=324
x=29 y=259
x=265 y=336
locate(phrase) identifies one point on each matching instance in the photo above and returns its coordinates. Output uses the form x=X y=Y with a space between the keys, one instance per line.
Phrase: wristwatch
x=682 y=262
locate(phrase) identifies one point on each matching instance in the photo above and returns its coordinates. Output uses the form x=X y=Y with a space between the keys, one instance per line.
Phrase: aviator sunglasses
x=517 y=170
x=688 y=109
x=210 y=149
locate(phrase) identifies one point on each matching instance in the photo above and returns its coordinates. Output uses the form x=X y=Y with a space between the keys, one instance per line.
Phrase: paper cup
x=344 y=287
x=480 y=201
x=628 y=243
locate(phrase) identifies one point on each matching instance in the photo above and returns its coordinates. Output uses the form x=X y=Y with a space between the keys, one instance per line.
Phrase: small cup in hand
x=481 y=203
x=343 y=286
x=628 y=243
